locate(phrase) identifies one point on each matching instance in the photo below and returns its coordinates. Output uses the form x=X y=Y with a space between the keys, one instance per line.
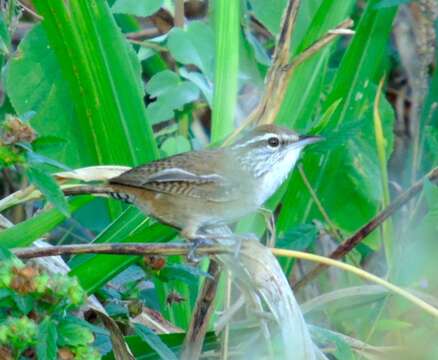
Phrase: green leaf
x=116 y=309
x=50 y=189
x=154 y=341
x=390 y=3
x=48 y=142
x=227 y=29
x=71 y=334
x=201 y=81
x=431 y=195
x=387 y=325
x=174 y=341
x=35 y=86
x=186 y=273
x=102 y=73
x=193 y=46
x=313 y=22
x=25 y=303
x=5 y=38
x=175 y=145
x=343 y=350
x=298 y=238
x=94 y=271
x=46 y=348
x=352 y=168
x=171 y=92
x=26 y=232
x=136 y=7
x=5 y=254
x=270 y=13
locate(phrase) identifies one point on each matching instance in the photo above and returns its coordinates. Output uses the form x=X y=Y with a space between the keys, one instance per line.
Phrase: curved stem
x=361 y=273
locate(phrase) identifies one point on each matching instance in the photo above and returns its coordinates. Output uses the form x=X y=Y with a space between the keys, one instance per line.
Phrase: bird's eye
x=273 y=142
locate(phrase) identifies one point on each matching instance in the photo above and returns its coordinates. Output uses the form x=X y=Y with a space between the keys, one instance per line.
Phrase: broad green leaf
x=136 y=7
x=201 y=81
x=72 y=334
x=181 y=272
x=227 y=31
x=44 y=143
x=102 y=73
x=40 y=87
x=154 y=341
x=5 y=254
x=269 y=13
x=175 y=145
x=46 y=348
x=26 y=232
x=389 y=3
x=171 y=92
x=49 y=188
x=300 y=238
x=193 y=46
x=351 y=169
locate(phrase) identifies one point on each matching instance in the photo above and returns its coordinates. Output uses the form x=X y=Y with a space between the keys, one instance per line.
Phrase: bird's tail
x=105 y=190
x=88 y=189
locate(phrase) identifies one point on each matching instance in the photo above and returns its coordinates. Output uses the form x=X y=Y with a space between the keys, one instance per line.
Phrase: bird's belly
x=183 y=212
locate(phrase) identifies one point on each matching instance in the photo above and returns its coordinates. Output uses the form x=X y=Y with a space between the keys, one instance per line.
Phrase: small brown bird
x=197 y=190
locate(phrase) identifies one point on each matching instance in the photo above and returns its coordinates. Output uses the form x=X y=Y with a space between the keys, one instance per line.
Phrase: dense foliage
x=125 y=82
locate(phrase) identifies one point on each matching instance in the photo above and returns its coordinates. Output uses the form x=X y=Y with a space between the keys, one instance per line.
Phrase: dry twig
x=279 y=76
x=151 y=249
x=202 y=314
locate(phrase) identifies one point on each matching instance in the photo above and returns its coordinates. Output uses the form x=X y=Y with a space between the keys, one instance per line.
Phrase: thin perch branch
x=320 y=43
x=345 y=247
x=118 y=249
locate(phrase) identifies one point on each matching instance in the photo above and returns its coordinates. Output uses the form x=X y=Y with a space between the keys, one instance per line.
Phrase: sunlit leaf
x=137 y=7
x=154 y=342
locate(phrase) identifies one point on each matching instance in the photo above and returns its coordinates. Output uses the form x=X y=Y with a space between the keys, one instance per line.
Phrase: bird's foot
x=196 y=243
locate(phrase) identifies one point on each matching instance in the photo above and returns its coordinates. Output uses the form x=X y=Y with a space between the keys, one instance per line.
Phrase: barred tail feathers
x=103 y=190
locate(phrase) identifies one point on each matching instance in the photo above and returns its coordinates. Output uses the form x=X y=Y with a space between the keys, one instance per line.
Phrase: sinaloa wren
x=200 y=189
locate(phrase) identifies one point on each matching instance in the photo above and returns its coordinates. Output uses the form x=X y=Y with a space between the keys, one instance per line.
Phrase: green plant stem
x=381 y=154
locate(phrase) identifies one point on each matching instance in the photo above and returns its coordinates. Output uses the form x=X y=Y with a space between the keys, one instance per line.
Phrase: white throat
x=273 y=178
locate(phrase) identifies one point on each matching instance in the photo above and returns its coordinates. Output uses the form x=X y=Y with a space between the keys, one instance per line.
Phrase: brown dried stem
x=201 y=316
x=118 y=249
x=179 y=13
x=348 y=245
x=204 y=306
x=280 y=74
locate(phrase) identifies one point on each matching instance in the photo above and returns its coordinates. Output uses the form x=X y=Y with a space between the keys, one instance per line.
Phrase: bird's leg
x=197 y=240
x=270 y=225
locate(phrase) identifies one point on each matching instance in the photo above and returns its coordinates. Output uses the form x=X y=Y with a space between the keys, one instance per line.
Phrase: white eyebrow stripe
x=256 y=139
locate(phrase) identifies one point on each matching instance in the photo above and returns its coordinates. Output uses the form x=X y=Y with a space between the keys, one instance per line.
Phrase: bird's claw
x=192 y=257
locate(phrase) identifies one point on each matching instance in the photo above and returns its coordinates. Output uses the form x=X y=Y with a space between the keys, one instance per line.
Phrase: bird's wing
x=172 y=176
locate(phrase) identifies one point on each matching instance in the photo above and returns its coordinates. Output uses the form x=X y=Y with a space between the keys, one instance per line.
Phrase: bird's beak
x=305 y=140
